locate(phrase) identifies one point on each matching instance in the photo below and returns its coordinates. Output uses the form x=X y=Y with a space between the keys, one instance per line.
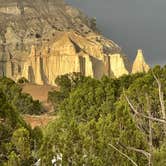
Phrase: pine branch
x=123 y=154
x=141 y=114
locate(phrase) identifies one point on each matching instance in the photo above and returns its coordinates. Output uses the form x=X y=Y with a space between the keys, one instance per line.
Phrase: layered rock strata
x=40 y=40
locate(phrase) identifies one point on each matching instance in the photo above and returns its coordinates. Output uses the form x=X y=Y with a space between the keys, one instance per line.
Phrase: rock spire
x=140 y=64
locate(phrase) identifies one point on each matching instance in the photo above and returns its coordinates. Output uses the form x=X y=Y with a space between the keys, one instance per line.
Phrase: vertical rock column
x=38 y=71
x=140 y=64
x=119 y=65
x=88 y=66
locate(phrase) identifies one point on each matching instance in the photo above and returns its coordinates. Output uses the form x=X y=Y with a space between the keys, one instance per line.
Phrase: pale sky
x=132 y=24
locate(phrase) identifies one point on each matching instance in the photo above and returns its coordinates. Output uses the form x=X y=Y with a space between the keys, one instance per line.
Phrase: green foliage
x=95 y=113
x=160 y=156
x=22 y=80
x=20 y=101
x=92 y=115
x=13 y=160
x=10 y=120
x=37 y=139
x=16 y=137
x=21 y=141
x=65 y=83
x=17 y=140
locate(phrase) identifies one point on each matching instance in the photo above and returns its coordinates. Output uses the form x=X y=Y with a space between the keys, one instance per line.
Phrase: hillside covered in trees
x=119 y=122
x=17 y=139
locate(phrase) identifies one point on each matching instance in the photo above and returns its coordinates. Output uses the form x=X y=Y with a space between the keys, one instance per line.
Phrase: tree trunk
x=161 y=98
x=150 y=139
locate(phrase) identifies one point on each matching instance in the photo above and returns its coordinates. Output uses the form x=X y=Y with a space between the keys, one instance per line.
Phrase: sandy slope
x=39 y=92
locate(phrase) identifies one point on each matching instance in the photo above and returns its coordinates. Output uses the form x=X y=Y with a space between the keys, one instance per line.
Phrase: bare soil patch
x=39 y=92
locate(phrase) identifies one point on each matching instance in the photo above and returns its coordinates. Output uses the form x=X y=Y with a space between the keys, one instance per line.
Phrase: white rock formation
x=33 y=68
x=70 y=53
x=42 y=47
x=73 y=53
x=119 y=65
x=140 y=64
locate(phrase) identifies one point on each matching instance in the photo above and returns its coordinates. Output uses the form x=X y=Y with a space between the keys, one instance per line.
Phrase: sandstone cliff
x=119 y=65
x=72 y=52
x=40 y=40
x=140 y=64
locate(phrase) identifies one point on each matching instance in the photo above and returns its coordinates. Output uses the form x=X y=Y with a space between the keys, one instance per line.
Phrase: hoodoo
x=140 y=64
x=72 y=52
x=45 y=42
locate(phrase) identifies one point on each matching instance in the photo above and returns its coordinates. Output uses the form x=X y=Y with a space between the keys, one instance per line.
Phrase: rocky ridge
x=40 y=40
